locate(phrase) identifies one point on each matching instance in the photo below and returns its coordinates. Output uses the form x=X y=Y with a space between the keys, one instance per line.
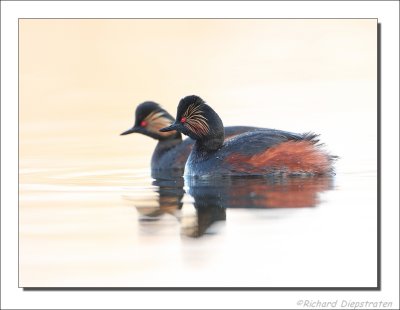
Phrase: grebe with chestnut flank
x=258 y=152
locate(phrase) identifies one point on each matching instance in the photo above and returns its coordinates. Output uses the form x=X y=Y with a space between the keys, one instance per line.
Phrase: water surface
x=106 y=226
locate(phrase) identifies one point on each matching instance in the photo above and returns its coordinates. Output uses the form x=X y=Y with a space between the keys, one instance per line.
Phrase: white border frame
x=13 y=297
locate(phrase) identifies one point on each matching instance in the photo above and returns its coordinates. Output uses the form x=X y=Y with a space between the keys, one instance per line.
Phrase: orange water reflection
x=213 y=196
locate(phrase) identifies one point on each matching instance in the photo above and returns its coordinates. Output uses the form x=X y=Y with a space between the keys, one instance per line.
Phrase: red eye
x=143 y=124
x=183 y=119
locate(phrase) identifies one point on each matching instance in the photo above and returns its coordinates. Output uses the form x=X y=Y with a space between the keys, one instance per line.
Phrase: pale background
x=80 y=81
x=85 y=77
x=209 y=99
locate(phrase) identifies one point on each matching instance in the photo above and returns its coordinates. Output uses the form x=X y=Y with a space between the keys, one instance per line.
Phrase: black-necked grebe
x=171 y=152
x=259 y=152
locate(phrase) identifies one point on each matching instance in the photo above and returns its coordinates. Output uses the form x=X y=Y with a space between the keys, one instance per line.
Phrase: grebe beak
x=133 y=129
x=170 y=128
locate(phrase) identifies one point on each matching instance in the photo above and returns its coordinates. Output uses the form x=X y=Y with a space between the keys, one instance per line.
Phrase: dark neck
x=162 y=147
x=211 y=142
x=167 y=143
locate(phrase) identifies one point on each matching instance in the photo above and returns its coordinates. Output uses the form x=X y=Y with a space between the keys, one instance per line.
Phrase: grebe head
x=150 y=118
x=199 y=121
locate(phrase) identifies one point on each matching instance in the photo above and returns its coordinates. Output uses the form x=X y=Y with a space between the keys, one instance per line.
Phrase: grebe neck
x=211 y=142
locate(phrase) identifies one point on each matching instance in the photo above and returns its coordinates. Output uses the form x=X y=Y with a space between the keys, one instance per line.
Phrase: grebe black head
x=198 y=121
x=150 y=117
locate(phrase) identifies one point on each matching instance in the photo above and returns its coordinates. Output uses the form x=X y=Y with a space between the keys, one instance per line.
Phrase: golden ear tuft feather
x=195 y=120
x=155 y=121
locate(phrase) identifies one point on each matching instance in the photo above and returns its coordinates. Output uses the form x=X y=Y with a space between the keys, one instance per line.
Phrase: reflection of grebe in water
x=169 y=187
x=214 y=195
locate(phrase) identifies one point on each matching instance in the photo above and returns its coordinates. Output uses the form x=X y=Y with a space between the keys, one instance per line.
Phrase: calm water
x=99 y=223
